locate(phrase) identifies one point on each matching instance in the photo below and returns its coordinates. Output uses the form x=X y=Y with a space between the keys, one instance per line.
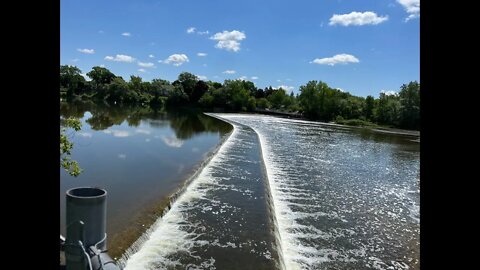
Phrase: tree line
x=316 y=100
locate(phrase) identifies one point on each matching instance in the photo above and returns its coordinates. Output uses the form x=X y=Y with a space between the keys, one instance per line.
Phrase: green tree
x=369 y=107
x=101 y=76
x=388 y=109
x=262 y=103
x=410 y=105
x=277 y=98
x=187 y=81
x=70 y=166
x=71 y=79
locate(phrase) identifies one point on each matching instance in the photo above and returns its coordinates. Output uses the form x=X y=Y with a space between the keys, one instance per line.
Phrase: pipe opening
x=86 y=192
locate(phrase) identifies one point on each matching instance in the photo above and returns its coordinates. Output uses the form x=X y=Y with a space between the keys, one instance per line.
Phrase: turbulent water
x=331 y=198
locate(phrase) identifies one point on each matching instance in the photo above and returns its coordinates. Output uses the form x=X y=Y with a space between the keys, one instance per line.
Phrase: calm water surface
x=139 y=155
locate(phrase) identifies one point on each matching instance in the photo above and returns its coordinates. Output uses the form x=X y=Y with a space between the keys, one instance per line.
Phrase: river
x=293 y=194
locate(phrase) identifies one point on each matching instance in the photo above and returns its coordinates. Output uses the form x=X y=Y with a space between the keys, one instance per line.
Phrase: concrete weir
x=222 y=220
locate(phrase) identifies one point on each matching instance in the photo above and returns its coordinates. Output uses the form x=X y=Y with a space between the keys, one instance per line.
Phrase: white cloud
x=120 y=58
x=340 y=89
x=117 y=133
x=172 y=141
x=254 y=78
x=151 y=56
x=279 y=80
x=102 y=65
x=122 y=156
x=412 y=7
x=147 y=140
x=75 y=60
x=85 y=134
x=201 y=54
x=143 y=131
x=229 y=71
x=229 y=41
x=286 y=87
x=126 y=34
x=357 y=18
x=389 y=92
x=337 y=59
x=84 y=75
x=86 y=51
x=142 y=70
x=243 y=78
x=192 y=30
x=176 y=59
x=146 y=65
x=201 y=77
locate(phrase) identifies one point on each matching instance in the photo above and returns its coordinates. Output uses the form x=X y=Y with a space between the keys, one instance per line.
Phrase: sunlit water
x=332 y=198
x=138 y=155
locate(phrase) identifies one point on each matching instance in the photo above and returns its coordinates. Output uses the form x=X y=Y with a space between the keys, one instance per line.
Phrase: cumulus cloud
x=191 y=30
x=201 y=77
x=203 y=32
x=389 y=92
x=86 y=51
x=176 y=59
x=229 y=71
x=201 y=54
x=412 y=7
x=340 y=89
x=254 y=78
x=122 y=156
x=243 y=78
x=126 y=34
x=357 y=18
x=172 y=141
x=229 y=41
x=75 y=60
x=142 y=70
x=337 y=59
x=151 y=56
x=286 y=87
x=146 y=65
x=120 y=58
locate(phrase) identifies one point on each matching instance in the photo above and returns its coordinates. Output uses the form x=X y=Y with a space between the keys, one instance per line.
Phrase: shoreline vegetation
x=316 y=100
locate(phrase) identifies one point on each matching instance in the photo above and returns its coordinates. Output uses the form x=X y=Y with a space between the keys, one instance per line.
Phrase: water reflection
x=185 y=122
x=140 y=155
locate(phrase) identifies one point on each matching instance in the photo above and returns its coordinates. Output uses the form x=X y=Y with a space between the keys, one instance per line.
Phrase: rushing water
x=294 y=194
x=139 y=155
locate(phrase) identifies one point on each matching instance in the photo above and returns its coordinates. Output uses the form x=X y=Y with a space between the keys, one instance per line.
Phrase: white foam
x=168 y=235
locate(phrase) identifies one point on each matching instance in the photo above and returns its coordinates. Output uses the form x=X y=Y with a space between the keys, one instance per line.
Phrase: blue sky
x=362 y=47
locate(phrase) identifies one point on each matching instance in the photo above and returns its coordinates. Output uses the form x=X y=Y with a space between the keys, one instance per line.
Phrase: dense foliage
x=316 y=100
x=71 y=166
